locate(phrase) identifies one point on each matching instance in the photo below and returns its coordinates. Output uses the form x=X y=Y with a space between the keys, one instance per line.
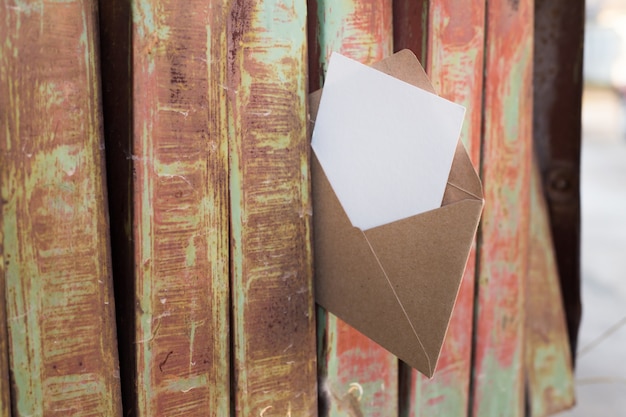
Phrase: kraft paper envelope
x=397 y=283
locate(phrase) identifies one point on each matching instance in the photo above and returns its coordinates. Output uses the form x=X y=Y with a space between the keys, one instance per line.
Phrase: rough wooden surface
x=54 y=223
x=357 y=376
x=498 y=384
x=271 y=259
x=179 y=208
x=558 y=80
x=359 y=29
x=5 y=386
x=449 y=35
x=549 y=376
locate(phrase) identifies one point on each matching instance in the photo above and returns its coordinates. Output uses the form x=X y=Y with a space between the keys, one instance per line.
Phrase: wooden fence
x=155 y=229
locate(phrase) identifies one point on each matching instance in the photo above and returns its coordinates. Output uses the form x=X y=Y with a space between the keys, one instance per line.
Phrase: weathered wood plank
x=558 y=80
x=5 y=385
x=357 y=375
x=116 y=72
x=549 y=377
x=498 y=384
x=173 y=206
x=450 y=33
x=359 y=29
x=59 y=296
x=271 y=259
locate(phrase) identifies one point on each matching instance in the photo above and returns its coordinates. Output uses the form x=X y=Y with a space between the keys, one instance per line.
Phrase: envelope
x=396 y=283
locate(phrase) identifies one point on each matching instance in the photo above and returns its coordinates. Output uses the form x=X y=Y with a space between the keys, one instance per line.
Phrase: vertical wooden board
x=503 y=241
x=54 y=223
x=456 y=59
x=116 y=73
x=549 y=377
x=5 y=386
x=271 y=259
x=358 y=377
x=410 y=27
x=359 y=29
x=180 y=207
x=558 y=81
x=454 y=43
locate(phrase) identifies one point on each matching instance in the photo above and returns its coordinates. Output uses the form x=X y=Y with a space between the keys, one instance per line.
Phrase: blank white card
x=385 y=146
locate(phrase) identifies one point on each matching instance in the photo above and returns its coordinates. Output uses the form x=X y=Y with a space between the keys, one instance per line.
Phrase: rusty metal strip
x=498 y=381
x=450 y=36
x=171 y=202
x=550 y=380
x=271 y=260
x=559 y=27
x=350 y=383
x=59 y=299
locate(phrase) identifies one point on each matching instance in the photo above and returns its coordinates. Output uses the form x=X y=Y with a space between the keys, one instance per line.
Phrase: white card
x=385 y=146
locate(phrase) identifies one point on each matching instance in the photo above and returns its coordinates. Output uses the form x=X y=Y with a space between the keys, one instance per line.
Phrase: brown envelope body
x=397 y=283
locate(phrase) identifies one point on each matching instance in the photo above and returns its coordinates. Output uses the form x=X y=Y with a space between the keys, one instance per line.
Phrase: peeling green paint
x=190 y=254
x=502 y=390
x=53 y=221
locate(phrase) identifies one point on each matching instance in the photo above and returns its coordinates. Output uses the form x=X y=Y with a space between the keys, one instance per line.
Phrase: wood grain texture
x=549 y=376
x=5 y=385
x=271 y=259
x=59 y=297
x=558 y=80
x=452 y=33
x=498 y=384
x=179 y=208
x=357 y=376
x=359 y=29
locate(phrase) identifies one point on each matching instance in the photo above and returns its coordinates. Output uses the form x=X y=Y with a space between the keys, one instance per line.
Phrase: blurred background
x=601 y=366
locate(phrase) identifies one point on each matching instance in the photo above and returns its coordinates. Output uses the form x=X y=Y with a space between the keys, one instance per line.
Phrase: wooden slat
x=503 y=241
x=59 y=301
x=358 y=376
x=450 y=33
x=549 y=377
x=116 y=71
x=5 y=386
x=171 y=202
x=359 y=29
x=558 y=80
x=271 y=259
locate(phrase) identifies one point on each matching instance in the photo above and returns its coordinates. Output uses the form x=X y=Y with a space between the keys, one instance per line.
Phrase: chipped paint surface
x=547 y=351
x=180 y=208
x=54 y=224
x=454 y=62
x=271 y=260
x=358 y=29
x=503 y=250
x=5 y=385
x=361 y=30
x=361 y=377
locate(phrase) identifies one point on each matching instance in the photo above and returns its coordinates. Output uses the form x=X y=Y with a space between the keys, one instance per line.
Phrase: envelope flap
x=349 y=282
x=423 y=258
x=378 y=280
x=396 y=283
x=463 y=181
